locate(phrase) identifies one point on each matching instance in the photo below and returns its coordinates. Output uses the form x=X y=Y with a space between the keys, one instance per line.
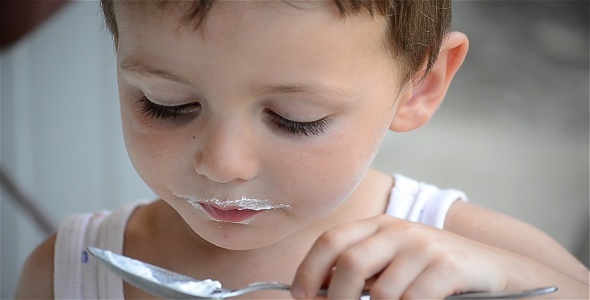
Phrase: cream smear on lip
x=244 y=203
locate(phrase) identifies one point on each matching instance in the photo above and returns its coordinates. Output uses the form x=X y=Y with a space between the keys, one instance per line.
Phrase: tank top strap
x=76 y=274
x=420 y=202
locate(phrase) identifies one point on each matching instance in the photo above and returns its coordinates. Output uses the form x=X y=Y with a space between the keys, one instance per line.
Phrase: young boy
x=256 y=123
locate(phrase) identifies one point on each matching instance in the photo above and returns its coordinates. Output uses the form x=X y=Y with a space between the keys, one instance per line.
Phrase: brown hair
x=416 y=28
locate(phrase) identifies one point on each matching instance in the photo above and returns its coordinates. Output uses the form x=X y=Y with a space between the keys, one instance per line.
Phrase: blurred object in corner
x=26 y=203
x=19 y=17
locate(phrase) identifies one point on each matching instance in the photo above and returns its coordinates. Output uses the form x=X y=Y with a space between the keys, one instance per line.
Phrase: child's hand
x=399 y=259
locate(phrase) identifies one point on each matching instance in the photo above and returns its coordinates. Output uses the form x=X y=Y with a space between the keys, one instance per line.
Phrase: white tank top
x=77 y=276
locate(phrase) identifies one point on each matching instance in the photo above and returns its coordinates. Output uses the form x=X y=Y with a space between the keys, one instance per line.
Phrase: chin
x=238 y=236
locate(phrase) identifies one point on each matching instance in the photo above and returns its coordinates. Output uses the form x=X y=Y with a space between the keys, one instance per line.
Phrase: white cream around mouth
x=244 y=203
x=227 y=210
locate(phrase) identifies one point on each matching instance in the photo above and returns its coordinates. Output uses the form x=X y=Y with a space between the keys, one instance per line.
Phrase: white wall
x=61 y=133
x=513 y=132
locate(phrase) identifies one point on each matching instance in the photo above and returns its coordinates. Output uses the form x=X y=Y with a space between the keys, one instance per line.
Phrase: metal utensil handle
x=505 y=295
x=477 y=295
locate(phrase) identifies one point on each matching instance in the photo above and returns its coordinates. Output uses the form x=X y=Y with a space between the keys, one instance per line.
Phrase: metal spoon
x=171 y=285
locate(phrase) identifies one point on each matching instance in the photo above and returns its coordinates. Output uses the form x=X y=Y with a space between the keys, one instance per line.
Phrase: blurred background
x=513 y=132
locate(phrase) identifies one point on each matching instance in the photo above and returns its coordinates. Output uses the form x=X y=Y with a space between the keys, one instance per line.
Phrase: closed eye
x=316 y=127
x=158 y=111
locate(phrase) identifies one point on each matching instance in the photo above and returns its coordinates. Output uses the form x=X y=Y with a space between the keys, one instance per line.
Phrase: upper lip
x=224 y=208
x=242 y=203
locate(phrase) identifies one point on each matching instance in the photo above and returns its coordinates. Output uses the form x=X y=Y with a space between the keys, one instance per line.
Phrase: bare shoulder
x=36 y=278
x=502 y=231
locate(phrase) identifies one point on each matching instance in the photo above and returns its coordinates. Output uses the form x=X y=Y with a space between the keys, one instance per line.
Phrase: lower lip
x=230 y=216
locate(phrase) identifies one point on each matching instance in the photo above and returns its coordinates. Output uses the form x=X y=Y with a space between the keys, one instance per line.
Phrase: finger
x=454 y=273
x=321 y=258
x=433 y=283
x=358 y=264
x=395 y=279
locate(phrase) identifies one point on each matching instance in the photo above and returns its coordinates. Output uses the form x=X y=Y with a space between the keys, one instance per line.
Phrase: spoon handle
x=485 y=295
x=505 y=295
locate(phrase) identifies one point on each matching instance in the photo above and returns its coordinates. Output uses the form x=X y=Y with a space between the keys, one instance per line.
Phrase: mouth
x=236 y=216
x=240 y=211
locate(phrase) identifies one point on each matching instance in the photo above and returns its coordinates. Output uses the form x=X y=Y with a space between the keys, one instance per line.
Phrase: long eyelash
x=157 y=111
x=316 y=127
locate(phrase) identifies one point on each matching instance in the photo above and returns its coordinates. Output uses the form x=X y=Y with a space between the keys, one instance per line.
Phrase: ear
x=418 y=103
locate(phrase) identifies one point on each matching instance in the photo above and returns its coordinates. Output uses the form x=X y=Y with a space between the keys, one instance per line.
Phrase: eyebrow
x=147 y=70
x=315 y=88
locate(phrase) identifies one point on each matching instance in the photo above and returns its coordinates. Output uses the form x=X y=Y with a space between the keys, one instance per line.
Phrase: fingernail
x=298 y=293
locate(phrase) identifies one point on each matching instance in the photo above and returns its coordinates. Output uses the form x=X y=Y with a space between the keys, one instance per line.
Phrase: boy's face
x=250 y=75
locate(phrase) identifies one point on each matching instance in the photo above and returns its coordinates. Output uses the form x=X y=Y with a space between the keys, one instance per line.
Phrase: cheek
x=157 y=156
x=323 y=176
x=147 y=157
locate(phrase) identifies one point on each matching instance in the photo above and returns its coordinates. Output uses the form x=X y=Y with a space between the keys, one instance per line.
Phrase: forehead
x=194 y=12
x=192 y=15
x=245 y=41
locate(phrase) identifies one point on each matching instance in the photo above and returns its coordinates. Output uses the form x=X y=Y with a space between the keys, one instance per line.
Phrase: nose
x=226 y=154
